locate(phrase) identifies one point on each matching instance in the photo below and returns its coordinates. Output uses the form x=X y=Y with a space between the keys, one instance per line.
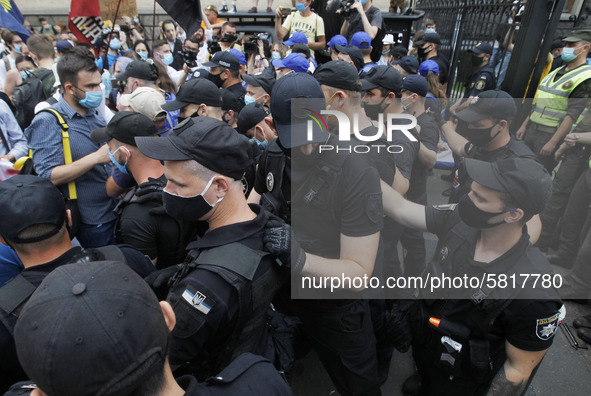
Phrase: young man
x=15 y=46
x=176 y=46
x=428 y=49
x=43 y=53
x=225 y=73
x=367 y=18
x=302 y=20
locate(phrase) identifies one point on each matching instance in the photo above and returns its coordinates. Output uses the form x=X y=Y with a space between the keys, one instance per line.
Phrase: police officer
x=337 y=217
x=225 y=285
x=472 y=339
x=35 y=223
x=560 y=99
x=483 y=78
x=197 y=97
x=159 y=237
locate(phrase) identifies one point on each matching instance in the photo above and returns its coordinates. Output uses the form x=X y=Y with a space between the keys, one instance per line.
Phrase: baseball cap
x=482 y=48
x=410 y=64
x=398 y=52
x=383 y=76
x=578 y=35
x=429 y=38
x=212 y=143
x=141 y=69
x=147 y=101
x=250 y=115
x=125 y=126
x=196 y=91
x=489 y=104
x=354 y=53
x=296 y=37
x=557 y=44
x=232 y=101
x=388 y=39
x=84 y=319
x=338 y=74
x=525 y=179
x=361 y=40
x=61 y=45
x=337 y=39
x=30 y=200
x=416 y=84
x=427 y=66
x=291 y=126
x=295 y=62
x=224 y=59
x=239 y=55
x=301 y=49
x=265 y=80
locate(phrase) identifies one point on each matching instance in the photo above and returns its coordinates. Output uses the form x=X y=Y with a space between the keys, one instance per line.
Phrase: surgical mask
x=386 y=52
x=406 y=105
x=168 y=59
x=568 y=54
x=188 y=208
x=135 y=20
x=18 y=48
x=430 y=31
x=301 y=7
x=216 y=79
x=143 y=54
x=373 y=110
x=475 y=217
x=57 y=59
x=115 y=44
x=275 y=55
x=262 y=145
x=479 y=137
x=363 y=2
x=24 y=74
x=92 y=99
x=122 y=168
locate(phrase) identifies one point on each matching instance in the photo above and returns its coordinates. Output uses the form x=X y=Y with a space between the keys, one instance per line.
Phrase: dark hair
x=231 y=24
x=194 y=40
x=385 y=92
x=144 y=43
x=7 y=36
x=510 y=203
x=167 y=21
x=23 y=58
x=152 y=386
x=159 y=43
x=41 y=45
x=35 y=231
x=79 y=59
x=164 y=81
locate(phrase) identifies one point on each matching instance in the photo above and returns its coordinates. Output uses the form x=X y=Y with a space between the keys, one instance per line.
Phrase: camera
x=342 y=7
x=213 y=45
x=189 y=57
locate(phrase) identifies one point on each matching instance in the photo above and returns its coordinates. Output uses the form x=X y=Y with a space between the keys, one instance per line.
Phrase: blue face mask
x=168 y=59
x=135 y=20
x=363 y=2
x=18 y=48
x=143 y=54
x=430 y=31
x=92 y=99
x=275 y=55
x=262 y=145
x=24 y=74
x=301 y=7
x=57 y=59
x=122 y=168
x=115 y=44
x=568 y=54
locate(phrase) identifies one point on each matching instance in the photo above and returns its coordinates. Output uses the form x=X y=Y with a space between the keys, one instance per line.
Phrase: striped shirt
x=13 y=135
x=45 y=139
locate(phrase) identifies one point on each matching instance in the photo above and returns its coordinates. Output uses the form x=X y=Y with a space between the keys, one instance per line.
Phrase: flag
x=85 y=20
x=186 y=13
x=11 y=18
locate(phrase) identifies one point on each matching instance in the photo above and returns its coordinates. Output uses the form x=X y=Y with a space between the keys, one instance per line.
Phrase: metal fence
x=464 y=23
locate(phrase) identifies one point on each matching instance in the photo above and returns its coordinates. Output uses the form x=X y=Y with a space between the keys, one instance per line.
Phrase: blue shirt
x=17 y=144
x=10 y=264
x=45 y=139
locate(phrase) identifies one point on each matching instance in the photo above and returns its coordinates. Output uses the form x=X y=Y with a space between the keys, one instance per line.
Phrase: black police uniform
x=220 y=305
x=525 y=317
x=339 y=194
x=482 y=80
x=247 y=375
x=273 y=181
x=462 y=182
x=31 y=278
x=412 y=240
x=157 y=236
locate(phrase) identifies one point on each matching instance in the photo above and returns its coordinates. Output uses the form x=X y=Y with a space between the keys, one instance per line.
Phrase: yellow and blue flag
x=11 y=18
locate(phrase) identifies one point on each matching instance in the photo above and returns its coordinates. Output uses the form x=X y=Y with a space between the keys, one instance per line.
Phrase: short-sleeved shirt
x=374 y=16
x=44 y=137
x=443 y=64
x=429 y=137
x=581 y=91
x=312 y=26
x=480 y=81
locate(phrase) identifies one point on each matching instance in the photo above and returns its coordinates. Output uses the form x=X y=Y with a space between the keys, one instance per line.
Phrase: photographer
x=364 y=17
x=303 y=20
x=257 y=51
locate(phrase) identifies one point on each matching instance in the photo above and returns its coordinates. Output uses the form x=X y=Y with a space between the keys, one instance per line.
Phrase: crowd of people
x=175 y=194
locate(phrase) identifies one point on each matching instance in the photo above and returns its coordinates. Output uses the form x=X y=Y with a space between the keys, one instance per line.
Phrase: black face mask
x=479 y=137
x=476 y=60
x=301 y=161
x=474 y=217
x=216 y=79
x=187 y=208
x=423 y=51
x=374 y=110
x=195 y=114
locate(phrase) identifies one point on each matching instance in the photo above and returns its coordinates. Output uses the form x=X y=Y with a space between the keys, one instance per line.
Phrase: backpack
x=26 y=96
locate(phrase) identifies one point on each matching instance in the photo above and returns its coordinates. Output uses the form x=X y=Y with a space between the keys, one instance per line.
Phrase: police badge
x=270 y=181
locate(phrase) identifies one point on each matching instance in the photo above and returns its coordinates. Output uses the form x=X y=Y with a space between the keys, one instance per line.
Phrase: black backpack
x=26 y=96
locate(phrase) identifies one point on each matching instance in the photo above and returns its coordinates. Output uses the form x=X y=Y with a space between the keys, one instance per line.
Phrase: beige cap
x=146 y=101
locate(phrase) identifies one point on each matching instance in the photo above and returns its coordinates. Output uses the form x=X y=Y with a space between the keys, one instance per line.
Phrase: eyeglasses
x=211 y=8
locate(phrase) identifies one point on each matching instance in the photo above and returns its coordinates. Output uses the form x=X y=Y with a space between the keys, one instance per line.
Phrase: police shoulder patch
x=546 y=328
x=270 y=181
x=480 y=85
x=374 y=207
x=446 y=207
x=567 y=85
x=198 y=300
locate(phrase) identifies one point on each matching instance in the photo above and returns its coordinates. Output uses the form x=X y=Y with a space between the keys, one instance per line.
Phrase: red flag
x=85 y=20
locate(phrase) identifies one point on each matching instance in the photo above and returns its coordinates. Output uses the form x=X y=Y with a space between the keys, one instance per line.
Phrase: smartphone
x=285 y=11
